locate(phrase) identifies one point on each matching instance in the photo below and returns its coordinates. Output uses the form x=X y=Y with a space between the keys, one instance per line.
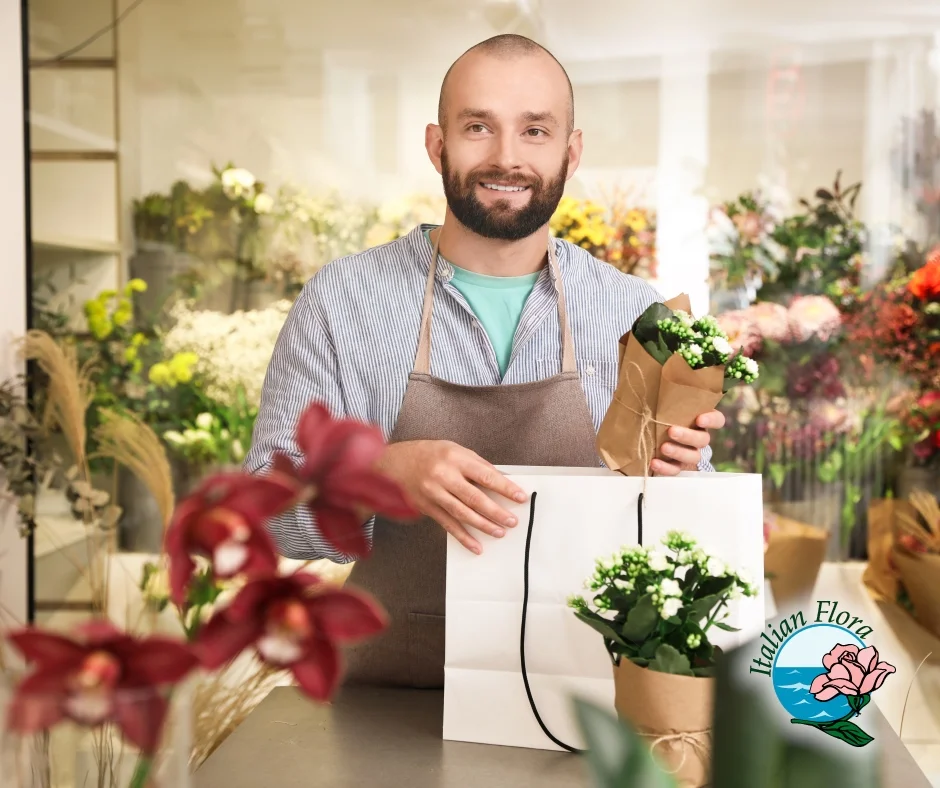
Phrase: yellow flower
x=636 y=220
x=123 y=314
x=95 y=309
x=130 y=354
x=137 y=366
x=138 y=340
x=106 y=295
x=135 y=286
x=160 y=375
x=181 y=366
x=100 y=327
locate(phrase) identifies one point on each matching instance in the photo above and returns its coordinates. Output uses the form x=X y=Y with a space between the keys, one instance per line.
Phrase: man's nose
x=507 y=155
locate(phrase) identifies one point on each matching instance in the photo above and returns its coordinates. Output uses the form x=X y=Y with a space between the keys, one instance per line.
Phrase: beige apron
x=546 y=422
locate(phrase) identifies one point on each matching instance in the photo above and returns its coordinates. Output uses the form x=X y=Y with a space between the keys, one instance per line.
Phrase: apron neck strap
x=423 y=358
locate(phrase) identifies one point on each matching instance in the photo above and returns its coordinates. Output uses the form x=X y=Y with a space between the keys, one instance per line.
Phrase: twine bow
x=698 y=742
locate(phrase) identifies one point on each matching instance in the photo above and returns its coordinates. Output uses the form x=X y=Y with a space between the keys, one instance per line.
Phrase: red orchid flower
x=224 y=521
x=102 y=676
x=338 y=473
x=295 y=622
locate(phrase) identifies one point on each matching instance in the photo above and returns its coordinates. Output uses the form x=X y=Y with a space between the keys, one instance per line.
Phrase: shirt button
x=589 y=369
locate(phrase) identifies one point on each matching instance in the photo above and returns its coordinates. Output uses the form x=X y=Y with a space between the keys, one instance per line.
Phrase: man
x=511 y=349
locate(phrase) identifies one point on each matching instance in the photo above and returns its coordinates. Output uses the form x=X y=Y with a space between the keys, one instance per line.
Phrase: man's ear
x=575 y=148
x=434 y=144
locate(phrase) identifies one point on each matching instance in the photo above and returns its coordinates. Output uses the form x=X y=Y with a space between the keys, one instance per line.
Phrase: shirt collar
x=422 y=251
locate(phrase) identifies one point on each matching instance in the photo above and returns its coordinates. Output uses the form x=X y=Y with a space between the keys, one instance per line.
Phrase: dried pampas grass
x=126 y=439
x=70 y=390
x=929 y=510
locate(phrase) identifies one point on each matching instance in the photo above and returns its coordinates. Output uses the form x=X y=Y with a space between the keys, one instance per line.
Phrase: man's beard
x=500 y=221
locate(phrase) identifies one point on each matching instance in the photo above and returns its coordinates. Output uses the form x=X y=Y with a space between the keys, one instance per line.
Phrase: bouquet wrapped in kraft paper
x=916 y=554
x=673 y=369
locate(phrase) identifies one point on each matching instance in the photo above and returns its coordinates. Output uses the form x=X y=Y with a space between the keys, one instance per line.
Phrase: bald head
x=506 y=47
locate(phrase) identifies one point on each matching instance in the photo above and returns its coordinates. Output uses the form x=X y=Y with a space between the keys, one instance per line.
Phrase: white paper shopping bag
x=577 y=515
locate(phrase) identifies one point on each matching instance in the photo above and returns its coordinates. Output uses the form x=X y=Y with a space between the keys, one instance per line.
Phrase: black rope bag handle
x=525 y=611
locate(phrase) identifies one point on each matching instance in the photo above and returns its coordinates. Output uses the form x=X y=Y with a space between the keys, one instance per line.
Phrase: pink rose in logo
x=852 y=672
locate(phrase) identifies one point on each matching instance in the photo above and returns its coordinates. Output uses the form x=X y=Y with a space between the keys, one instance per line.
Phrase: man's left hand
x=684 y=448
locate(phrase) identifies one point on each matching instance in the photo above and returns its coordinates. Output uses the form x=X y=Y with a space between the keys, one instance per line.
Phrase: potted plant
x=654 y=609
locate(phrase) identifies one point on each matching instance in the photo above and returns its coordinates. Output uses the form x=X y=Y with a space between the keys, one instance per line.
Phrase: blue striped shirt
x=351 y=337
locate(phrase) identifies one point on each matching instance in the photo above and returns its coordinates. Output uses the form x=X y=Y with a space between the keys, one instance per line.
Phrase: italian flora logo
x=823 y=672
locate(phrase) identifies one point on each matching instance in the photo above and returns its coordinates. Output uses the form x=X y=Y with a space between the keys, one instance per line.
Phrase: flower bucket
x=920 y=575
x=673 y=714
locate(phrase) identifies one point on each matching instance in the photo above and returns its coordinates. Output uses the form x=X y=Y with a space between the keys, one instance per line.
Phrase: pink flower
x=851 y=672
x=741 y=331
x=771 y=319
x=814 y=316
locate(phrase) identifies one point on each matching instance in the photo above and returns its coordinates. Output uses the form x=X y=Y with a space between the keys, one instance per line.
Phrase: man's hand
x=684 y=450
x=439 y=478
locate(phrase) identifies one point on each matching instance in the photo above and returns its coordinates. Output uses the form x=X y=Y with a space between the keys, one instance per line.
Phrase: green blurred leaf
x=600 y=625
x=616 y=756
x=702 y=608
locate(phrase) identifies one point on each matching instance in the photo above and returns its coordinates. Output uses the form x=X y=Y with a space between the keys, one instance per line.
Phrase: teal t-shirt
x=497 y=301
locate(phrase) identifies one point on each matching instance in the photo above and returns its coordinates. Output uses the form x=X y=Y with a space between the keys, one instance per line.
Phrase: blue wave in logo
x=803 y=702
x=794 y=673
x=822 y=715
x=796 y=686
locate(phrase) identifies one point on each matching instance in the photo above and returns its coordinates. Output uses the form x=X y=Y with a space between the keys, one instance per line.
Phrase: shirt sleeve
x=303 y=369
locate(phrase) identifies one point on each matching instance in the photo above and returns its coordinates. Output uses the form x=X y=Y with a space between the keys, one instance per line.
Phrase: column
x=14 y=555
x=682 y=208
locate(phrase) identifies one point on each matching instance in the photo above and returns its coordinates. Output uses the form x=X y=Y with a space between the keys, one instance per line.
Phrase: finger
x=682 y=455
x=661 y=468
x=464 y=515
x=486 y=475
x=455 y=529
x=480 y=502
x=713 y=420
x=697 y=439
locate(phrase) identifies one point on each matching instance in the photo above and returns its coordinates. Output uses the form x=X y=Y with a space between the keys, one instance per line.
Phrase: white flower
x=157 y=589
x=722 y=346
x=750 y=365
x=174 y=438
x=624 y=585
x=745 y=578
x=658 y=561
x=685 y=556
x=715 y=567
x=695 y=350
x=237 y=182
x=238 y=451
x=682 y=571
x=204 y=421
x=670 y=588
x=684 y=318
x=670 y=607
x=264 y=203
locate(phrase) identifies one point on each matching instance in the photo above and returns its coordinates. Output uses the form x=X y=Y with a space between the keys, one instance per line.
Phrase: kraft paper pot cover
x=673 y=714
x=795 y=552
x=920 y=574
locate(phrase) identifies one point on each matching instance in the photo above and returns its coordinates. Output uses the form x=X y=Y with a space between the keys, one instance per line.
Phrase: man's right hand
x=439 y=478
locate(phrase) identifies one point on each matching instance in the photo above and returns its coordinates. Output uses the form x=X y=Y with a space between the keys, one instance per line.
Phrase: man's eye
x=478 y=128
x=535 y=132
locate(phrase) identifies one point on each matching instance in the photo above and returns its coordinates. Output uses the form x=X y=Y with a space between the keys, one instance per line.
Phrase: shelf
x=76 y=246
x=73 y=155
x=75 y=62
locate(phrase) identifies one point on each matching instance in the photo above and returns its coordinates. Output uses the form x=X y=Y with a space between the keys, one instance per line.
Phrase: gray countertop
x=391 y=738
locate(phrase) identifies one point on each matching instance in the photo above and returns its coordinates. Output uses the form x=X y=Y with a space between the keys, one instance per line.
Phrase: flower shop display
x=396 y=218
x=623 y=236
x=915 y=161
x=673 y=369
x=121 y=684
x=232 y=351
x=916 y=554
x=654 y=609
x=742 y=247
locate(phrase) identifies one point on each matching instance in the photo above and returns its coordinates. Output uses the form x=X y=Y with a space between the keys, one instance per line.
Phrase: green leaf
x=701 y=608
x=714 y=585
x=601 y=625
x=859 y=702
x=778 y=473
x=849 y=732
x=641 y=620
x=648 y=649
x=707 y=671
x=725 y=627
x=616 y=755
x=669 y=660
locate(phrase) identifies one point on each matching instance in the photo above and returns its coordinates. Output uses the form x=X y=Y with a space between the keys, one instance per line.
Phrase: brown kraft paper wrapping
x=920 y=573
x=795 y=552
x=676 y=395
x=673 y=715
x=881 y=577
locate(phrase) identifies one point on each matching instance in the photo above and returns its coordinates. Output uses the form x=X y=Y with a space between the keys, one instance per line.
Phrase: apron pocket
x=426 y=650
